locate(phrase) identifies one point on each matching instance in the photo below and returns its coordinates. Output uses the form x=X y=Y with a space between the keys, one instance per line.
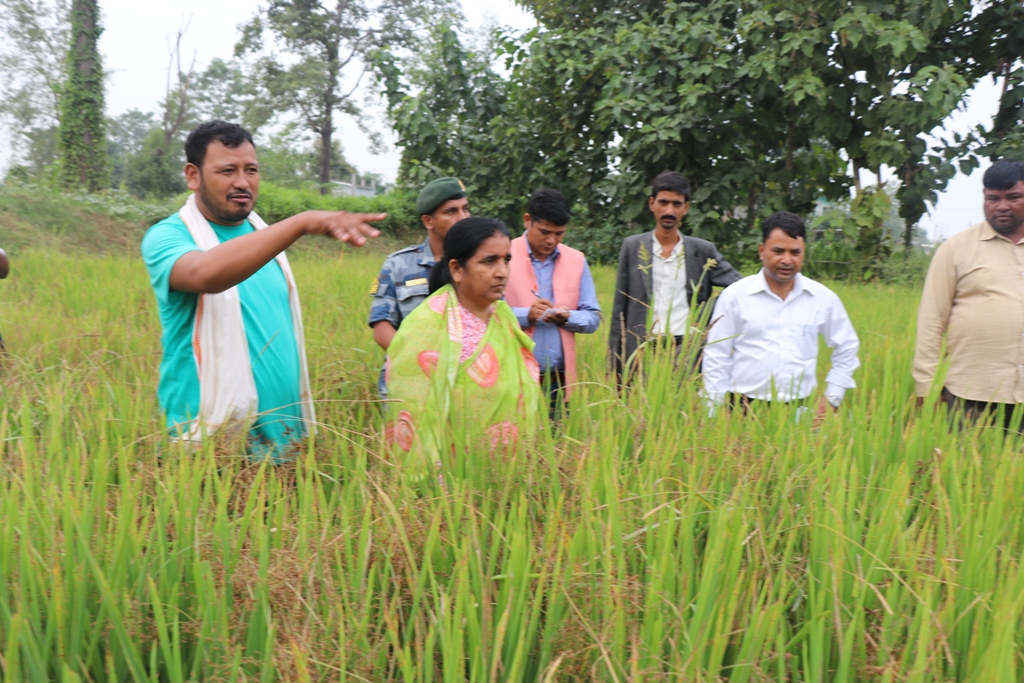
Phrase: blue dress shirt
x=583 y=320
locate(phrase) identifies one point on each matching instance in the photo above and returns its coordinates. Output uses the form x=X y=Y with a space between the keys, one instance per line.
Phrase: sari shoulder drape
x=441 y=405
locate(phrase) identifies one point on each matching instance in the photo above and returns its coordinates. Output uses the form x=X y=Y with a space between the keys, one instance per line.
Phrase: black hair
x=549 y=205
x=1003 y=175
x=787 y=222
x=228 y=134
x=461 y=243
x=671 y=181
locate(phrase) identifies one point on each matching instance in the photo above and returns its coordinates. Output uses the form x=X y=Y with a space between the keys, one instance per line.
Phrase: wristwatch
x=834 y=401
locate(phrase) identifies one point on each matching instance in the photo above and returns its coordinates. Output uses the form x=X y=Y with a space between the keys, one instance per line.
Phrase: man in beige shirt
x=974 y=295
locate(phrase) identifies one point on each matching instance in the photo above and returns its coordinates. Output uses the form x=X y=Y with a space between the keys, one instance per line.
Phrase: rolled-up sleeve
x=842 y=339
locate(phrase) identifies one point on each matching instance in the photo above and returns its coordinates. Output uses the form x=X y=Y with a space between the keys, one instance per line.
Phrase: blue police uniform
x=401 y=286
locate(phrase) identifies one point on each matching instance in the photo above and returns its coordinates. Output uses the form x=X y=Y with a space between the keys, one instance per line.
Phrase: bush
x=275 y=203
x=40 y=216
x=906 y=269
x=109 y=221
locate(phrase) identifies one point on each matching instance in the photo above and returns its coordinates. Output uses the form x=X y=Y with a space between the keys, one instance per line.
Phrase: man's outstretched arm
x=226 y=265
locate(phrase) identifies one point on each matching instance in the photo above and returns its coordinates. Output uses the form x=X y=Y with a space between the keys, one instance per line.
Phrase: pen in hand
x=548 y=311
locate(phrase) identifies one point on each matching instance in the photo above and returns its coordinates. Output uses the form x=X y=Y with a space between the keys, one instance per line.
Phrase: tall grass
x=642 y=541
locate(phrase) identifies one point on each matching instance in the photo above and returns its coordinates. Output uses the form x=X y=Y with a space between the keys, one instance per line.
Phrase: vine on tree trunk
x=82 y=123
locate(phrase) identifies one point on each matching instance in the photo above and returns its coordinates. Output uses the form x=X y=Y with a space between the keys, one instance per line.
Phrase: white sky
x=138 y=33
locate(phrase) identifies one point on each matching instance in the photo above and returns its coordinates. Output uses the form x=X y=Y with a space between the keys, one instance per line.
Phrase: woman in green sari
x=461 y=373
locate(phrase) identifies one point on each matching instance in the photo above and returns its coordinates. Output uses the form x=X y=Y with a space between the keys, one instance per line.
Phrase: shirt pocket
x=410 y=296
x=805 y=339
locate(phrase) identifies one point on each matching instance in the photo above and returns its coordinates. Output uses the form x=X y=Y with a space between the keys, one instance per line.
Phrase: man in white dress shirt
x=763 y=343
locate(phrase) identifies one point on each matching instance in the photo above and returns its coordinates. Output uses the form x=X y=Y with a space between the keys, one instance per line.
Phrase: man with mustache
x=660 y=273
x=974 y=296
x=763 y=345
x=233 y=348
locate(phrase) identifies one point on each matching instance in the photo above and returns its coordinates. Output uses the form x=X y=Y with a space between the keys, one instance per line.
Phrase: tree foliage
x=452 y=124
x=325 y=43
x=83 y=146
x=155 y=170
x=125 y=136
x=998 y=43
x=33 y=45
x=764 y=105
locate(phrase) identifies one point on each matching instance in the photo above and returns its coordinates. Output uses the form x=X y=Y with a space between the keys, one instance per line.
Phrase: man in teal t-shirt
x=223 y=172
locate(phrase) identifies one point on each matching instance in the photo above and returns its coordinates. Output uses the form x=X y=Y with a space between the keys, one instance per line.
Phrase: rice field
x=643 y=541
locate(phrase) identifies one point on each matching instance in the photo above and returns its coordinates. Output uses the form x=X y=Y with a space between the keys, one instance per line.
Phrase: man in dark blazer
x=658 y=272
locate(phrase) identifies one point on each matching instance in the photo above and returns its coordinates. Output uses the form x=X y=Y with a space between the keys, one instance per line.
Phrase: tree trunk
x=908 y=224
x=82 y=123
x=752 y=195
x=787 y=186
x=327 y=117
x=326 y=131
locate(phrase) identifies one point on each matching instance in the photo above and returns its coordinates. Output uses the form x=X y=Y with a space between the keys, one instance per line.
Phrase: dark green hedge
x=276 y=203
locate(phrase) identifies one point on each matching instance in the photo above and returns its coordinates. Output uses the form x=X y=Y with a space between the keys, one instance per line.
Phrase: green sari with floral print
x=441 y=405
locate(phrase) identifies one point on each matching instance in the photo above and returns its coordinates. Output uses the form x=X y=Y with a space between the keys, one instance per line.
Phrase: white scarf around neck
x=227 y=391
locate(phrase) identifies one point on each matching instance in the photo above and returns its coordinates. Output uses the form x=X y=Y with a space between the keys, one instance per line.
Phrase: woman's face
x=483 y=280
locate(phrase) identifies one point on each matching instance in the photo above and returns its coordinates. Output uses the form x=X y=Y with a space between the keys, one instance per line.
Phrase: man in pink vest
x=551 y=291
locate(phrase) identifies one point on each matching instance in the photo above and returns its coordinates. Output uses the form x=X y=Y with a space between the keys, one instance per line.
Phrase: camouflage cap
x=437 y=192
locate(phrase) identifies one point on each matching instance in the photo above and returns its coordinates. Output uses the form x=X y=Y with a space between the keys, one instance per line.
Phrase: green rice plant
x=640 y=540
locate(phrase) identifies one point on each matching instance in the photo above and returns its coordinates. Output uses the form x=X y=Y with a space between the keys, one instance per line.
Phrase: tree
x=764 y=105
x=891 y=75
x=325 y=44
x=126 y=134
x=997 y=41
x=598 y=103
x=452 y=125
x=83 y=146
x=223 y=92
x=155 y=170
x=760 y=99
x=290 y=159
x=33 y=45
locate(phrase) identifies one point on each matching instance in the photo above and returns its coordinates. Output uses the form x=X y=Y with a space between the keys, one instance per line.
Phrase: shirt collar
x=760 y=284
x=427 y=254
x=554 y=254
x=675 y=250
x=989 y=233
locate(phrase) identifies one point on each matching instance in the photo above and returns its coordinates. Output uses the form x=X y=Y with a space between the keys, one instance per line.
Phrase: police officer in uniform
x=402 y=283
